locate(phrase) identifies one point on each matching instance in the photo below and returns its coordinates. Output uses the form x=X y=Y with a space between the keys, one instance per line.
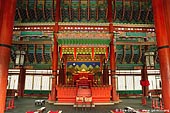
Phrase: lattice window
x=119 y=14
x=150 y=16
x=31 y=53
x=39 y=14
x=13 y=56
x=136 y=54
x=93 y=14
x=143 y=16
x=31 y=57
x=48 y=14
x=65 y=14
x=75 y=14
x=47 y=57
x=136 y=58
x=39 y=57
x=23 y=14
x=47 y=53
x=16 y=16
x=119 y=58
x=135 y=15
x=32 y=14
x=127 y=16
x=84 y=13
x=128 y=58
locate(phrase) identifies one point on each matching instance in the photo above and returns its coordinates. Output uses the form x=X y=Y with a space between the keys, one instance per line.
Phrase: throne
x=83 y=82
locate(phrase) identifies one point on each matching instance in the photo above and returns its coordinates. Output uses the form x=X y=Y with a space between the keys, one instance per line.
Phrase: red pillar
x=21 y=82
x=163 y=48
x=61 y=53
x=55 y=68
x=144 y=79
x=64 y=70
x=115 y=97
x=55 y=52
x=110 y=17
x=167 y=16
x=7 y=13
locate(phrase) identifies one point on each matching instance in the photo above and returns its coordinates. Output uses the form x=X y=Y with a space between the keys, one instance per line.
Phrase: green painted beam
x=30 y=33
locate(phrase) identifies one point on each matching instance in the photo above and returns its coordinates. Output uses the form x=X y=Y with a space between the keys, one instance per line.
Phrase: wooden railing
x=101 y=93
x=66 y=94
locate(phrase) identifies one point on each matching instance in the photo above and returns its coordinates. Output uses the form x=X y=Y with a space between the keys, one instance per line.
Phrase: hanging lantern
x=149 y=59
x=20 y=58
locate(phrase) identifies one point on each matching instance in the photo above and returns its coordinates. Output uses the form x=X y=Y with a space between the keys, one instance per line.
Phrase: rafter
x=114 y=15
x=123 y=9
x=70 y=9
x=35 y=9
x=148 y=11
x=79 y=10
x=97 y=10
x=43 y=8
x=88 y=9
x=19 y=14
x=52 y=10
x=140 y=9
x=131 y=11
x=27 y=9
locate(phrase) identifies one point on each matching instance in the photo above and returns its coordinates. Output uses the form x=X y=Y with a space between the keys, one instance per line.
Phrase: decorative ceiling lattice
x=131 y=11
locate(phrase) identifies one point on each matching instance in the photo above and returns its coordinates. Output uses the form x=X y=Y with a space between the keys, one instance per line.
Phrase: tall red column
x=115 y=97
x=163 y=48
x=167 y=16
x=21 y=82
x=145 y=79
x=64 y=70
x=55 y=52
x=55 y=68
x=7 y=13
x=144 y=84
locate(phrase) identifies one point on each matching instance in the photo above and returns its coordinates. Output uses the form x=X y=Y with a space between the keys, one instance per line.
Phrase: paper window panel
x=28 y=82
x=137 y=85
x=14 y=82
x=152 y=82
x=37 y=83
x=45 y=82
x=129 y=82
x=121 y=83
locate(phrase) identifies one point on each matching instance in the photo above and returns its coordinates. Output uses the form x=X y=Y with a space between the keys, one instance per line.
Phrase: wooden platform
x=100 y=94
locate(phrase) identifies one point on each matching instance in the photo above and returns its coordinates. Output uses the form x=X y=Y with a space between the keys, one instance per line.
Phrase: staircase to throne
x=84 y=93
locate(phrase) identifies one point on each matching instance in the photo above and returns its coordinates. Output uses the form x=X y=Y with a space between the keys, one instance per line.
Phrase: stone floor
x=27 y=104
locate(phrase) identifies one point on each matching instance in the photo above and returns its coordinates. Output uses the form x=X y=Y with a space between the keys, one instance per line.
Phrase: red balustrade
x=66 y=94
x=101 y=94
x=98 y=94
